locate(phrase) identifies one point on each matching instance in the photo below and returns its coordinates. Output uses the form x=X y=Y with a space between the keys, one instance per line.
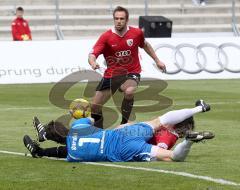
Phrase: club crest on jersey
x=130 y=42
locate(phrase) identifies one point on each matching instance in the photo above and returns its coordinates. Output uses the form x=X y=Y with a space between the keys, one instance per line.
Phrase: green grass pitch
x=218 y=158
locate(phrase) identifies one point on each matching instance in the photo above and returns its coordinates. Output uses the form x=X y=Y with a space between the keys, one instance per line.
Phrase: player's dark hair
x=121 y=9
x=20 y=9
x=184 y=126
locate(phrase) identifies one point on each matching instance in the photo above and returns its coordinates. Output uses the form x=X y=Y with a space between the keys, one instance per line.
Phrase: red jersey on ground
x=164 y=139
x=120 y=52
x=20 y=27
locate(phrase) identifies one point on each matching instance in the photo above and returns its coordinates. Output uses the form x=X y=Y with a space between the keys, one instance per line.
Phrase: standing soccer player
x=119 y=47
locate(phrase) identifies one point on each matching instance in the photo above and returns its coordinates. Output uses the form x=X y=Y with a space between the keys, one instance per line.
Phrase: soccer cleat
x=31 y=145
x=40 y=129
x=205 y=107
x=199 y=136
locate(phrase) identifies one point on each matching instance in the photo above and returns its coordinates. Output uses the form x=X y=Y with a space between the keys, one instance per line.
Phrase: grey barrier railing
x=59 y=33
x=234 y=19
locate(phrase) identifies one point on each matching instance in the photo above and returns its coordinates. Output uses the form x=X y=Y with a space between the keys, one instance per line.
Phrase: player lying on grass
x=56 y=131
x=164 y=138
x=128 y=143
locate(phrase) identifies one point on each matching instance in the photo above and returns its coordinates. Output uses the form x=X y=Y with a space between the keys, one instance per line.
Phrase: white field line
x=184 y=174
x=135 y=105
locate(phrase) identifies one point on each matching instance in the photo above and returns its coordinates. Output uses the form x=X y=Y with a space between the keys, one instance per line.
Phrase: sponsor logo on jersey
x=123 y=53
x=130 y=42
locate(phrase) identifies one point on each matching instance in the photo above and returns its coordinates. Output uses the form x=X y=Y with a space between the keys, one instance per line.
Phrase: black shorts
x=115 y=83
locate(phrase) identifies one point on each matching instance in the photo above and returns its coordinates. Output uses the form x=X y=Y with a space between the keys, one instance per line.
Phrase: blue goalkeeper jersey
x=83 y=127
x=126 y=144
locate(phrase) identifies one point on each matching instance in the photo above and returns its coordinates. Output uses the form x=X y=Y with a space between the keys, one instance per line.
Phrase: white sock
x=177 y=116
x=181 y=151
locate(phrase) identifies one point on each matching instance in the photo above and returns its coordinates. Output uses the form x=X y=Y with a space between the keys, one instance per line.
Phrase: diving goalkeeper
x=128 y=143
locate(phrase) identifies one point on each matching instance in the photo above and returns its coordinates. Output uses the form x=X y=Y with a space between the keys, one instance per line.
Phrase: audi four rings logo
x=201 y=61
x=123 y=53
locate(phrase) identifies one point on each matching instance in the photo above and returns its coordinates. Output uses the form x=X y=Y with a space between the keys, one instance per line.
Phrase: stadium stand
x=83 y=18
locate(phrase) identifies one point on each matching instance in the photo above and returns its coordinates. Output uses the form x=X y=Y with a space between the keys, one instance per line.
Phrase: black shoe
x=199 y=136
x=40 y=129
x=31 y=145
x=205 y=107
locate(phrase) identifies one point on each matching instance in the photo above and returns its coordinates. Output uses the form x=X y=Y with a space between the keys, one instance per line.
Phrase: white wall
x=50 y=61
